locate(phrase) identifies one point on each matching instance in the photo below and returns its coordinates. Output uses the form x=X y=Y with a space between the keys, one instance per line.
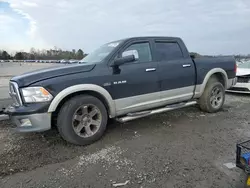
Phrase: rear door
x=136 y=84
x=176 y=72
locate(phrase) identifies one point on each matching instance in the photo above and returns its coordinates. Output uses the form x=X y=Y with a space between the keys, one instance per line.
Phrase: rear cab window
x=166 y=51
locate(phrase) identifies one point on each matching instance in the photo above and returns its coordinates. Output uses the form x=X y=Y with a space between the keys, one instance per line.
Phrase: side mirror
x=131 y=52
x=127 y=57
x=123 y=60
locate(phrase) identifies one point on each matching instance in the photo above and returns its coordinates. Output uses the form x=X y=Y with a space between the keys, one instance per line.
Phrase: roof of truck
x=153 y=37
x=145 y=37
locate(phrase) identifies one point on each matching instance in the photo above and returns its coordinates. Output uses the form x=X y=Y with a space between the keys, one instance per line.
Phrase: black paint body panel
x=170 y=75
x=205 y=64
x=44 y=74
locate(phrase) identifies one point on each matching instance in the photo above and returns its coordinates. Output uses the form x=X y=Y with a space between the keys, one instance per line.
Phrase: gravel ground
x=183 y=148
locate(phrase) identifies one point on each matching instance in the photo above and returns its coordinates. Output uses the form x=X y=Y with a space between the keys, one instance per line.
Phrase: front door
x=136 y=84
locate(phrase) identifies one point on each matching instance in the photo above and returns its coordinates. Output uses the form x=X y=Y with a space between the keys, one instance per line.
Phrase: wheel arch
x=91 y=89
x=219 y=73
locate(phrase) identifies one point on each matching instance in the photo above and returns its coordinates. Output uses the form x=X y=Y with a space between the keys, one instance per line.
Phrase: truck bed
x=205 y=64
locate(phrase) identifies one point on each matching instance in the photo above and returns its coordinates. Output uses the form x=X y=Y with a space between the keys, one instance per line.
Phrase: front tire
x=82 y=120
x=213 y=97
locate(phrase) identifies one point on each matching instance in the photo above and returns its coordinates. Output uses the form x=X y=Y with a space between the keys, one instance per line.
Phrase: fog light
x=25 y=123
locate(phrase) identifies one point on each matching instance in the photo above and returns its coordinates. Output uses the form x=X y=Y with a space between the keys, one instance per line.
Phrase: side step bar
x=136 y=115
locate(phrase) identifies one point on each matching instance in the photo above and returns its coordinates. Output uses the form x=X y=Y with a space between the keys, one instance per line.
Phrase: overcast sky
x=206 y=26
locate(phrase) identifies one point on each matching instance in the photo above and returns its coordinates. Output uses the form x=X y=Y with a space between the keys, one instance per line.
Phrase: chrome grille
x=14 y=93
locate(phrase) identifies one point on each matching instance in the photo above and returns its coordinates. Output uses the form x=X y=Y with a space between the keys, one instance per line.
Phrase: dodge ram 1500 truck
x=123 y=80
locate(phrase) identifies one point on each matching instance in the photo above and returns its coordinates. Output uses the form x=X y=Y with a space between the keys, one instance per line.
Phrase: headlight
x=36 y=94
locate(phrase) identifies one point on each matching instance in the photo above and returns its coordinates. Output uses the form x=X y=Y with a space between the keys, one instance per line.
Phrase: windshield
x=245 y=65
x=99 y=54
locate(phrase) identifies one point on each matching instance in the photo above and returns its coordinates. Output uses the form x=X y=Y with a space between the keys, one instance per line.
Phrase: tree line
x=36 y=54
x=58 y=54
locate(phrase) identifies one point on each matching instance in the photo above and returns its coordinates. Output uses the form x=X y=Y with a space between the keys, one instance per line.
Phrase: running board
x=136 y=115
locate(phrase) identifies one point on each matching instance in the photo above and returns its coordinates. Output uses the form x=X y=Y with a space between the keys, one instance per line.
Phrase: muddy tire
x=82 y=120
x=213 y=97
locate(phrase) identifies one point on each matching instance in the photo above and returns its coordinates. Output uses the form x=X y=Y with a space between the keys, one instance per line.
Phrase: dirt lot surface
x=9 y=69
x=183 y=148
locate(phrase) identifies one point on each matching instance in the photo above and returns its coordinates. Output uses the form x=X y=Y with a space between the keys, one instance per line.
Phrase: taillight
x=235 y=67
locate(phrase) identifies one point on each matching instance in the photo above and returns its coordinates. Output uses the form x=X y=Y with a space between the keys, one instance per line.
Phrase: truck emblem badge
x=121 y=82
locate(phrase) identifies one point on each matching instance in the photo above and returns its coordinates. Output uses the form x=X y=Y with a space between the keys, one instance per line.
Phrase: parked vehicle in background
x=243 y=79
x=63 y=61
x=124 y=80
x=72 y=61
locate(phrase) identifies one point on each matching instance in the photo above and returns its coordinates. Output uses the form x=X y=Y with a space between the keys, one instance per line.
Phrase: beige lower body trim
x=152 y=100
x=84 y=87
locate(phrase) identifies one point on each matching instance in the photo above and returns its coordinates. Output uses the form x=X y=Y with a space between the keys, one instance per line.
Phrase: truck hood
x=43 y=74
x=242 y=72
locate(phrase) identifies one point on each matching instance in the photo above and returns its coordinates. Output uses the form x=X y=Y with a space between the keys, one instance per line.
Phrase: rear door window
x=166 y=51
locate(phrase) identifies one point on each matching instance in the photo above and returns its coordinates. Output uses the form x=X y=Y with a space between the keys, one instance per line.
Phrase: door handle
x=186 y=65
x=150 y=69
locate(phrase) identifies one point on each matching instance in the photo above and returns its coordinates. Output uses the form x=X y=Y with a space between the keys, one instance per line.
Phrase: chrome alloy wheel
x=86 y=120
x=216 y=97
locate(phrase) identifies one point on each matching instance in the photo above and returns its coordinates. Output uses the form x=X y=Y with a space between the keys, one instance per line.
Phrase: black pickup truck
x=122 y=80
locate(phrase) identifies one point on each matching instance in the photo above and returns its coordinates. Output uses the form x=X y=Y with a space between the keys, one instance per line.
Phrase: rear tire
x=213 y=97
x=82 y=120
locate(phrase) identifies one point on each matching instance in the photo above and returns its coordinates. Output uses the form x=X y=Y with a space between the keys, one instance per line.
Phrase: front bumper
x=36 y=122
x=240 y=88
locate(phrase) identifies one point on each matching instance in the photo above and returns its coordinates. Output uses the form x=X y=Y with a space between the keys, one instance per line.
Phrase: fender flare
x=200 y=88
x=83 y=87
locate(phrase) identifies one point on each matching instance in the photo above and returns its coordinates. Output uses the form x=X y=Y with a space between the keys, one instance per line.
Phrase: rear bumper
x=37 y=122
